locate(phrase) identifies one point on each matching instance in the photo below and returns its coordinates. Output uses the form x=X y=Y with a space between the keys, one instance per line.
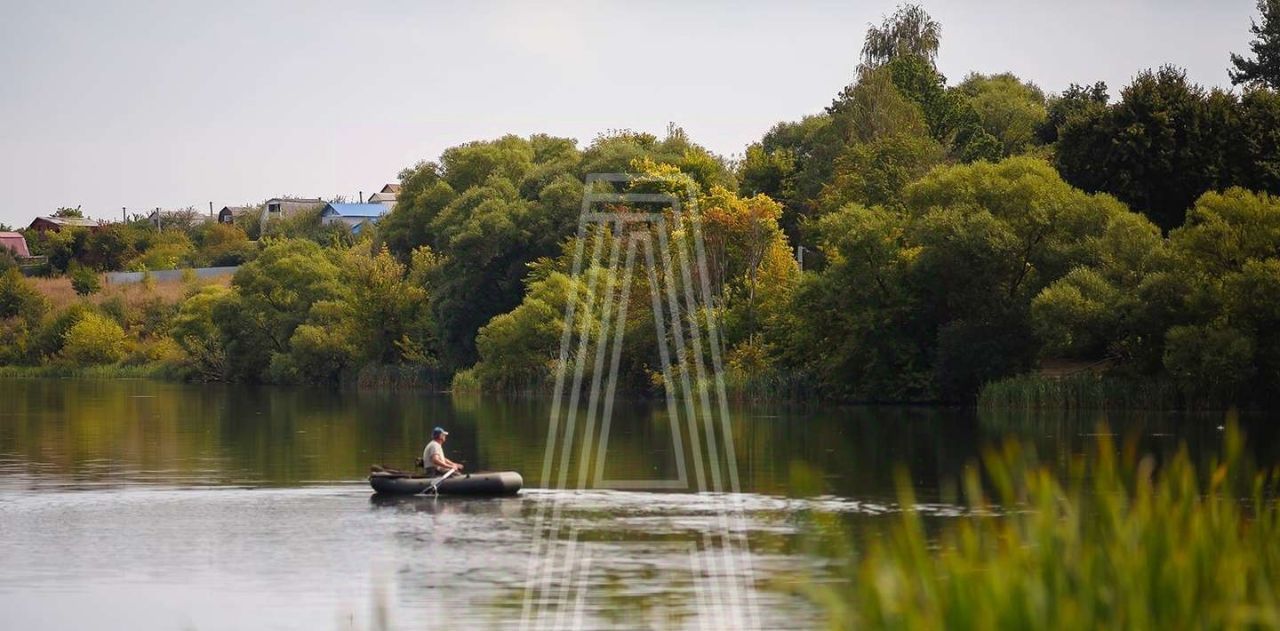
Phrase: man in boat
x=433 y=459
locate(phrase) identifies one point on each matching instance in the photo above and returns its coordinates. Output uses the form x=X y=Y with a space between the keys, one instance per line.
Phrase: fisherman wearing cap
x=433 y=456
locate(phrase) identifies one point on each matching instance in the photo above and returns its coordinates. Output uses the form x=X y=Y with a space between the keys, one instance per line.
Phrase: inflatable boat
x=393 y=482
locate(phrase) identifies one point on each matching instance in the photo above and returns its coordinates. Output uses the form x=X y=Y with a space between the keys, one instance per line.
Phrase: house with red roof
x=16 y=243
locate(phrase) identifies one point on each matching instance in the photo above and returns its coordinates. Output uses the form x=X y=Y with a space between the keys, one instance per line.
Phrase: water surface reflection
x=154 y=505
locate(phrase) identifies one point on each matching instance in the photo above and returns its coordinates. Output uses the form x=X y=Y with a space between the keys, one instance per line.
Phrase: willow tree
x=909 y=31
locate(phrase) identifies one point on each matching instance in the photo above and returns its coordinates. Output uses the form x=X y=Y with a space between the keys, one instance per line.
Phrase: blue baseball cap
x=439 y=431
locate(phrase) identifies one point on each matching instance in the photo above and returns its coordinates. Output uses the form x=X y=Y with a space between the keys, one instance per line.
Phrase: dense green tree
x=484 y=234
x=1209 y=362
x=617 y=152
x=877 y=172
x=1225 y=230
x=243 y=340
x=490 y=208
x=874 y=108
x=520 y=348
x=387 y=312
x=110 y=248
x=1074 y=316
x=871 y=120
x=748 y=263
x=1263 y=70
x=281 y=285
x=48 y=338
x=18 y=299
x=1198 y=307
x=747 y=257
x=952 y=120
x=1251 y=303
x=766 y=172
x=856 y=329
x=470 y=208
x=275 y=294
x=933 y=300
x=790 y=164
x=61 y=247
x=220 y=244
x=944 y=110
x=1007 y=108
x=320 y=349
x=1119 y=306
x=883 y=143
x=1158 y=149
x=1255 y=151
x=1076 y=100
x=196 y=330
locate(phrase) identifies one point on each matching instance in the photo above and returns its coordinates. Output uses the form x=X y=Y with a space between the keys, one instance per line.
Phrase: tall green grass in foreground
x=1117 y=542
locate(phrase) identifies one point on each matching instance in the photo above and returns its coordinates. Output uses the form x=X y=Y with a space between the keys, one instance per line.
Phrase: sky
x=137 y=104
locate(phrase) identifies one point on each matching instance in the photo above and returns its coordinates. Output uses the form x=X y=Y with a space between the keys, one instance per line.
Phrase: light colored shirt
x=433 y=448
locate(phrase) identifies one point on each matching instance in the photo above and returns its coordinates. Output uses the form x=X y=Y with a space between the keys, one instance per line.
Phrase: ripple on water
x=308 y=552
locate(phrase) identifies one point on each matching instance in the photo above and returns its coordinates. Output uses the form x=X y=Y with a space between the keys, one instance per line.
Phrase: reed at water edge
x=1085 y=391
x=1115 y=541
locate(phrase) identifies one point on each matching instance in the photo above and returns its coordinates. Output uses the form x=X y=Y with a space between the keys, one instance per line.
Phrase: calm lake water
x=144 y=505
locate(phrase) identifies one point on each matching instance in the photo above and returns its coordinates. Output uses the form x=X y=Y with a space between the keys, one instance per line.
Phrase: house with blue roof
x=353 y=215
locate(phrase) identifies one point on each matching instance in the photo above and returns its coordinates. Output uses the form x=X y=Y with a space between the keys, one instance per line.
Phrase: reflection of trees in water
x=1065 y=433
x=152 y=431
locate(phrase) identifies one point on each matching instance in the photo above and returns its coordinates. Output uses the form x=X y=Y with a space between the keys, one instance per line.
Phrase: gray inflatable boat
x=392 y=482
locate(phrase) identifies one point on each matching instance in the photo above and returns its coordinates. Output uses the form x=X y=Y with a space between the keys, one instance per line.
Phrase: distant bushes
x=84 y=280
x=93 y=339
x=137 y=245
x=122 y=327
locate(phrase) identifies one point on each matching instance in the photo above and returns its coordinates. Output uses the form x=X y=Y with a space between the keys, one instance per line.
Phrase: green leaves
x=490 y=208
x=1209 y=362
x=84 y=281
x=1008 y=109
x=1166 y=143
x=18 y=299
x=94 y=339
x=932 y=300
x=1197 y=307
x=909 y=31
x=196 y=330
x=1263 y=70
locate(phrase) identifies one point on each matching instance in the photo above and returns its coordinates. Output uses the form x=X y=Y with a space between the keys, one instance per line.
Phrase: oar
x=444 y=477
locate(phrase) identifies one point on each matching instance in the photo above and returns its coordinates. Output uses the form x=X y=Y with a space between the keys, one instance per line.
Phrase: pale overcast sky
x=178 y=103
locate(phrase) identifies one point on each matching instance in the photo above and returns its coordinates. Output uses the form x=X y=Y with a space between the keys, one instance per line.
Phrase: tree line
x=953 y=235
